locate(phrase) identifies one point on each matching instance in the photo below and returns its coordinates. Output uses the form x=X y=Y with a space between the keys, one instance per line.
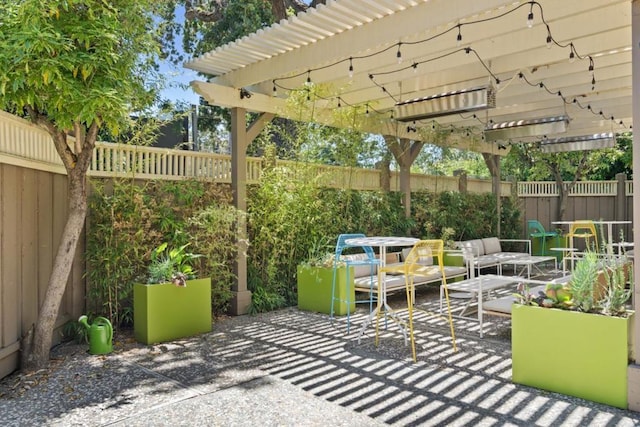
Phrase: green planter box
x=314 y=290
x=453 y=260
x=166 y=312
x=578 y=354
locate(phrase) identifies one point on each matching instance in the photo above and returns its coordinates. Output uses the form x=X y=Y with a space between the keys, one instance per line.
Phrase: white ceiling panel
x=318 y=45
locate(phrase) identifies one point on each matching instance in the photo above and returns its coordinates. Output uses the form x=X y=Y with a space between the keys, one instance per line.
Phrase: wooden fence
x=33 y=208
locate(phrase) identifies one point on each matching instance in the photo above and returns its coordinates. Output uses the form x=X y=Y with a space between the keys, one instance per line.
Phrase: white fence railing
x=24 y=144
x=582 y=188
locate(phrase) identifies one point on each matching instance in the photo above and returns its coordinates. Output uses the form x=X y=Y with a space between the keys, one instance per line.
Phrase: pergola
x=477 y=75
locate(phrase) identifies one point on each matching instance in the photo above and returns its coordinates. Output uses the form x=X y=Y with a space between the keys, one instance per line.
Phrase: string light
x=573 y=55
x=275 y=89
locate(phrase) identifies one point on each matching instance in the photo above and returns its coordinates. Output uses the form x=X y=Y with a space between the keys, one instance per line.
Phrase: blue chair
x=537 y=231
x=368 y=260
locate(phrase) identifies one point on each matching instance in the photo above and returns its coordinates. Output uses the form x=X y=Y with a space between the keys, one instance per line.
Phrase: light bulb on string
x=415 y=68
x=549 y=41
x=399 y=54
x=350 y=68
x=275 y=89
x=572 y=55
x=530 y=17
x=459 y=37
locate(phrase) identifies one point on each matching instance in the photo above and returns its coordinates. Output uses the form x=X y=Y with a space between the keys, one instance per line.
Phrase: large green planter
x=166 y=312
x=314 y=290
x=453 y=260
x=578 y=354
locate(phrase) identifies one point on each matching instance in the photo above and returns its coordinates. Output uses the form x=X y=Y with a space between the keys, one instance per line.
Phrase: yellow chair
x=583 y=229
x=425 y=258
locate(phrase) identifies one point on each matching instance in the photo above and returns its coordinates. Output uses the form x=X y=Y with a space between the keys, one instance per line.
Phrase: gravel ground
x=294 y=368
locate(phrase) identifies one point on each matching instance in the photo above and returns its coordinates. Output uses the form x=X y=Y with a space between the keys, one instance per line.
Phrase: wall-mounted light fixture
x=443 y=104
x=244 y=93
x=524 y=128
x=578 y=143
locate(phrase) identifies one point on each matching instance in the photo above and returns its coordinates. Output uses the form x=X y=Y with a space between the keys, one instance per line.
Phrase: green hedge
x=289 y=221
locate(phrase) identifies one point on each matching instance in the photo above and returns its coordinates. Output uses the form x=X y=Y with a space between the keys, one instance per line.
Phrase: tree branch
x=197 y=13
x=59 y=137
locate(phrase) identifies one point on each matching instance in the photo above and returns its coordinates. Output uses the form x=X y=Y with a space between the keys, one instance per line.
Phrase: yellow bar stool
x=583 y=229
x=425 y=257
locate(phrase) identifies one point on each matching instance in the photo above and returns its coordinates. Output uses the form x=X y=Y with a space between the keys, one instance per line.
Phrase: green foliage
x=171 y=265
x=75 y=331
x=292 y=219
x=77 y=61
x=212 y=232
x=127 y=221
x=525 y=162
x=119 y=238
x=436 y=160
x=471 y=216
x=583 y=280
x=598 y=285
x=263 y=300
x=209 y=24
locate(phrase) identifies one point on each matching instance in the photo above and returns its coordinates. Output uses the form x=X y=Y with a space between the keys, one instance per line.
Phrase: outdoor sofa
x=484 y=253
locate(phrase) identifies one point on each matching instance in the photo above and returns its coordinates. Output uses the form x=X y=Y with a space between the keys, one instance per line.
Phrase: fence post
x=462 y=180
x=621 y=197
x=385 y=174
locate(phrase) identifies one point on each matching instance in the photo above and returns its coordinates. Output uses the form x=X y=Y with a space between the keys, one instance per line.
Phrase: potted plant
x=173 y=303
x=574 y=338
x=315 y=280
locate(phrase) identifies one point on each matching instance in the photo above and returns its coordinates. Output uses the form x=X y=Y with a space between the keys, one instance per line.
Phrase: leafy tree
x=607 y=163
x=527 y=163
x=71 y=68
x=207 y=24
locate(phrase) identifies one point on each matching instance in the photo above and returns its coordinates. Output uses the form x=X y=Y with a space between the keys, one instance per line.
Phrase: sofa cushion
x=491 y=245
x=361 y=270
x=475 y=246
x=422 y=260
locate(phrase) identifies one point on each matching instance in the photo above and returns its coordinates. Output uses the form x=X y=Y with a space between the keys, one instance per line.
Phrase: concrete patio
x=297 y=368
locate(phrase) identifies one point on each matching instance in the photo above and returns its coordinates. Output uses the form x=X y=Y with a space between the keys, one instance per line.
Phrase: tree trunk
x=493 y=164
x=405 y=152
x=35 y=351
x=36 y=344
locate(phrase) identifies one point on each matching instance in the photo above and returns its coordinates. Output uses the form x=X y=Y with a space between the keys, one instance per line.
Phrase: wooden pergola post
x=633 y=396
x=241 y=137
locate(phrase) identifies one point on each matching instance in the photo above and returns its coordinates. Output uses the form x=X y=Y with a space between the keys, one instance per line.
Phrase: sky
x=178 y=79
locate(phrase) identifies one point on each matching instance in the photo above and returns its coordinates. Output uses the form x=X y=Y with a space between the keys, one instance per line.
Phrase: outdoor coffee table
x=476 y=287
x=531 y=261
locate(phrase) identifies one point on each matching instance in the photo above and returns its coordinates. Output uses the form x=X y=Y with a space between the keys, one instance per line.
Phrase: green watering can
x=100 y=335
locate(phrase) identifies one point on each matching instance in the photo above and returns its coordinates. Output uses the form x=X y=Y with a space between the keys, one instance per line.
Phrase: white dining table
x=608 y=223
x=382 y=243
